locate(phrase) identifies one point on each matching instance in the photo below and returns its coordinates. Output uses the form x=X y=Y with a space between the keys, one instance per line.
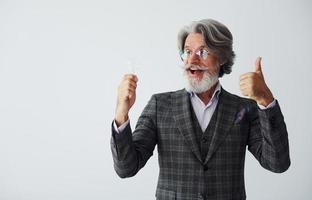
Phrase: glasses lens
x=184 y=55
x=204 y=54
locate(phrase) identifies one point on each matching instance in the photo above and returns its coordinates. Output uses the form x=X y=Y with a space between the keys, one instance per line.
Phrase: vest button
x=202 y=196
x=204 y=140
x=205 y=168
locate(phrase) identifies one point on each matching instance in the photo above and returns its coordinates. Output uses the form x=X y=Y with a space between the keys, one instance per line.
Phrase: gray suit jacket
x=183 y=175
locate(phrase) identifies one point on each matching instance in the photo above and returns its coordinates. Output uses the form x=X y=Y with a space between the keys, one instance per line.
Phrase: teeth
x=195 y=69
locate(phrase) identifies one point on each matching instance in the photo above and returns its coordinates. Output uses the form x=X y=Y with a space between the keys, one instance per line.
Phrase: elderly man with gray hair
x=202 y=131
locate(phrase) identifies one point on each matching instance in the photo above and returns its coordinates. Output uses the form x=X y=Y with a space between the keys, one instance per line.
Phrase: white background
x=62 y=60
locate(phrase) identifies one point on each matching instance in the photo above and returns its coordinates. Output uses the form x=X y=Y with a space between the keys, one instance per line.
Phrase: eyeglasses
x=202 y=53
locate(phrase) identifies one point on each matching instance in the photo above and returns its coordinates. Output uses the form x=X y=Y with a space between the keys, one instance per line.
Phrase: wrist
x=266 y=99
x=120 y=119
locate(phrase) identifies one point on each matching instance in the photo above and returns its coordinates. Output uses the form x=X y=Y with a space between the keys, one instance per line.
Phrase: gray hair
x=218 y=39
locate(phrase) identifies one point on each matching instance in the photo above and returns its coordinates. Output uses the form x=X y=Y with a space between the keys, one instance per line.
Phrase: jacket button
x=205 y=168
x=204 y=140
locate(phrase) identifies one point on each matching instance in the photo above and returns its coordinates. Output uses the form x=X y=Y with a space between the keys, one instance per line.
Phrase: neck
x=206 y=96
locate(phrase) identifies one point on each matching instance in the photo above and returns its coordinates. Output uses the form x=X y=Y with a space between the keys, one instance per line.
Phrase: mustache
x=193 y=67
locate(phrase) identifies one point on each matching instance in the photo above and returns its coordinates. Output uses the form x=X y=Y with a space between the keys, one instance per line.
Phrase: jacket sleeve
x=132 y=150
x=268 y=138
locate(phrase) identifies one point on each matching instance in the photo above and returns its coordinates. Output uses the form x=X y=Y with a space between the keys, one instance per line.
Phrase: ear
x=221 y=61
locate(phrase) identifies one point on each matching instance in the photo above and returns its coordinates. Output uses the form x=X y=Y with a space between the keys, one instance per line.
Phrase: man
x=202 y=131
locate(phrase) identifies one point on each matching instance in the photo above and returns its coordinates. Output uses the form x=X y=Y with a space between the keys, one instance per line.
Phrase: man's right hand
x=125 y=98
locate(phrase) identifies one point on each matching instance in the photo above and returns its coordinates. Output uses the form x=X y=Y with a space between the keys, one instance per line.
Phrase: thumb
x=258 y=68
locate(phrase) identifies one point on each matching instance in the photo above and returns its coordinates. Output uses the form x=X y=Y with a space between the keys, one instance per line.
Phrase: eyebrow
x=203 y=46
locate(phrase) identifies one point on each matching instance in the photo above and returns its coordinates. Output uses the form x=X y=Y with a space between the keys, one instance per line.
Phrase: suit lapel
x=182 y=116
x=227 y=108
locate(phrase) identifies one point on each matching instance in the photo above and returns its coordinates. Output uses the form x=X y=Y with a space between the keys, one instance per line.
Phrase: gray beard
x=200 y=85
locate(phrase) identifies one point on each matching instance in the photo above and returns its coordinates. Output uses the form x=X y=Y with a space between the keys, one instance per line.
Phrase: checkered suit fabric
x=183 y=175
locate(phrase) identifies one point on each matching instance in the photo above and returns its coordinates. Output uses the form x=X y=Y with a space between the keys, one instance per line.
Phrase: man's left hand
x=252 y=84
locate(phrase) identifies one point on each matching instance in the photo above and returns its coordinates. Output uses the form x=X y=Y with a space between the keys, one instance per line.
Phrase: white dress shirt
x=204 y=112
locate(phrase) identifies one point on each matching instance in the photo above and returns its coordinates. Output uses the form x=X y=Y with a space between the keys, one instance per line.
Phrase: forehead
x=194 y=40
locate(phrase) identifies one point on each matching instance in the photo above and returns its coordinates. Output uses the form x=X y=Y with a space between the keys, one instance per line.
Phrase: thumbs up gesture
x=252 y=84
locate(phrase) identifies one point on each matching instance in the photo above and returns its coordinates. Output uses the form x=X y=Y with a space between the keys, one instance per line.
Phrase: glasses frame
x=201 y=52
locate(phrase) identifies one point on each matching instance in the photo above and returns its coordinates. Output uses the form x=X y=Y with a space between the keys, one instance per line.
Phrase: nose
x=193 y=59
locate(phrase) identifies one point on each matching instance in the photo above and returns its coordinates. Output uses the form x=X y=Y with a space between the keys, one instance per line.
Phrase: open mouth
x=195 y=71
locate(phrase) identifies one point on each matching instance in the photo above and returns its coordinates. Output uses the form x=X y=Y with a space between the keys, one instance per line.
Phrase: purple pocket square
x=240 y=115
